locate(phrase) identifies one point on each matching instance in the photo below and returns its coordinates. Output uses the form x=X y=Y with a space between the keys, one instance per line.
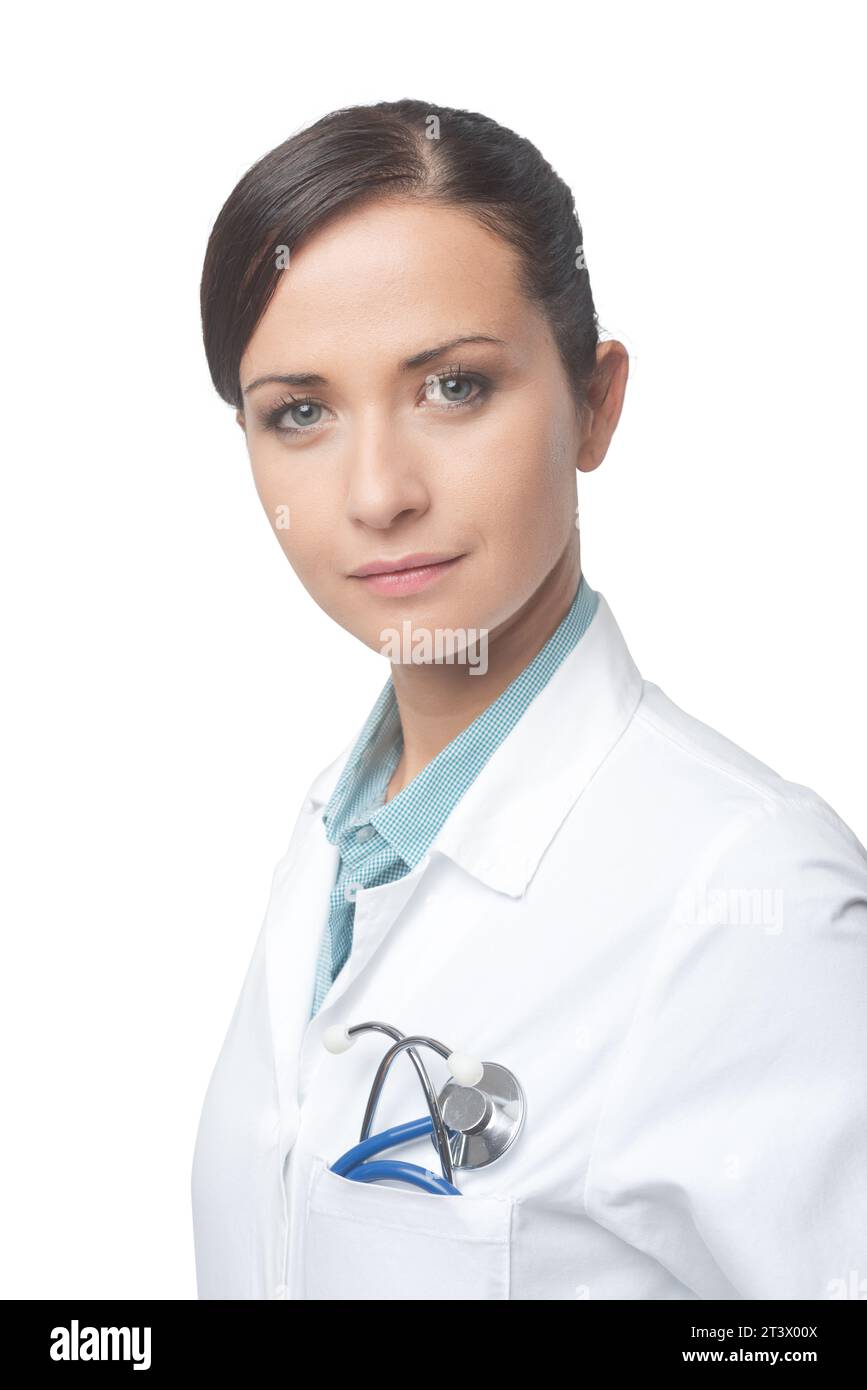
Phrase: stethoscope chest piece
x=482 y=1121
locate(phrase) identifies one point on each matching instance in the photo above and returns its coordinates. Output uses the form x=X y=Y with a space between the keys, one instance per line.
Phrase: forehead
x=391 y=278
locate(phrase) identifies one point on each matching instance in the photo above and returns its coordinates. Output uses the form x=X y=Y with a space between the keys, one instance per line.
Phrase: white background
x=170 y=688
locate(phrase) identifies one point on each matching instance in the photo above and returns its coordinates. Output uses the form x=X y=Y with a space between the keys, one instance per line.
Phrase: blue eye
x=448 y=390
x=447 y=385
x=303 y=413
x=453 y=387
x=305 y=419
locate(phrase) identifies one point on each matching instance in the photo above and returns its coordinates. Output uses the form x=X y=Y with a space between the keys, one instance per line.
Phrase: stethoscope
x=476 y=1117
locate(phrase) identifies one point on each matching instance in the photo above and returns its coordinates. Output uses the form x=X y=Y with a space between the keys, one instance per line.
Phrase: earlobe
x=240 y=419
x=588 y=458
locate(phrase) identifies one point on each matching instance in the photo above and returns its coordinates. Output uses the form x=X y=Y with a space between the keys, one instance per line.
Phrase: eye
x=306 y=413
x=446 y=390
x=453 y=387
x=449 y=388
x=294 y=416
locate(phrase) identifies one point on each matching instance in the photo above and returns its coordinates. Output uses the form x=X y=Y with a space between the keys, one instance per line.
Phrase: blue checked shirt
x=380 y=841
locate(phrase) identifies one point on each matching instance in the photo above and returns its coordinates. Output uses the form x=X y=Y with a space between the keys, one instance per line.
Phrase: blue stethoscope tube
x=354 y=1163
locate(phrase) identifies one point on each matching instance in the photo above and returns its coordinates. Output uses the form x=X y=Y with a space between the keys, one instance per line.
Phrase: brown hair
x=361 y=153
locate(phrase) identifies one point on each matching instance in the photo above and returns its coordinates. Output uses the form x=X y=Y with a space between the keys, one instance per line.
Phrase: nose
x=386 y=479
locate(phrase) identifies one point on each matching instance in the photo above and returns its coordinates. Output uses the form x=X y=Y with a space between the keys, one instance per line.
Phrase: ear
x=605 y=402
x=240 y=419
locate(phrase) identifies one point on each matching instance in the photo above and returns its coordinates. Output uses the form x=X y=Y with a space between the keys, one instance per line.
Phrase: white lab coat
x=664 y=940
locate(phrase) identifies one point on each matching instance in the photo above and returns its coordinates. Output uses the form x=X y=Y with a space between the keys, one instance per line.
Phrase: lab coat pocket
x=369 y=1241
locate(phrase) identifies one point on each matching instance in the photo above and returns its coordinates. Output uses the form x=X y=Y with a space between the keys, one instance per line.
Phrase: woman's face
x=467 y=454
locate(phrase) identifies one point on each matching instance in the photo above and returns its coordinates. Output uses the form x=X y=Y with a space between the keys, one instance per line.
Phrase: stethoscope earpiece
x=337 y=1038
x=467 y=1071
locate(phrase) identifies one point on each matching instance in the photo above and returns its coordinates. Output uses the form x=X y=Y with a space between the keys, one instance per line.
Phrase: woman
x=528 y=851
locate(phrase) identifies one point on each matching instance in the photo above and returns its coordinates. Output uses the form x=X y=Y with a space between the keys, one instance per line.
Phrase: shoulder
x=763 y=933
x=762 y=816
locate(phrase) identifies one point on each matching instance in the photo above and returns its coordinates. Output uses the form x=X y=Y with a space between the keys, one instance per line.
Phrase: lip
x=406 y=562
x=405 y=575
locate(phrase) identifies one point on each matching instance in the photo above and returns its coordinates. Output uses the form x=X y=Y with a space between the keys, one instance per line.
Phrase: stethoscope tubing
x=402 y=1043
x=354 y=1164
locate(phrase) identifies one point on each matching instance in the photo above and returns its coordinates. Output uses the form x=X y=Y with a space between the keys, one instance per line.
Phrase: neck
x=437 y=701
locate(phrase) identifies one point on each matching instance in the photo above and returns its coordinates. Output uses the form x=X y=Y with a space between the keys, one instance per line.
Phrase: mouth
x=406 y=575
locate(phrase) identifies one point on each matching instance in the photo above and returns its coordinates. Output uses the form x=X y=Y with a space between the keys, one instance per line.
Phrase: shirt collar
x=367 y=772
x=507 y=817
x=410 y=821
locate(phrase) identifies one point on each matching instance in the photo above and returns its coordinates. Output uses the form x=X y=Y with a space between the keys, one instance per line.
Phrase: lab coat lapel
x=297 y=916
x=298 y=912
x=505 y=821
x=376 y=911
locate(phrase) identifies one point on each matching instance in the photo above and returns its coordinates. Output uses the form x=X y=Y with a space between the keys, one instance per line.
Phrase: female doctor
x=528 y=851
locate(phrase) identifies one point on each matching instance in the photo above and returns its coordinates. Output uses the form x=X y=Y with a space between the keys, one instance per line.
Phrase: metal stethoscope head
x=476 y=1117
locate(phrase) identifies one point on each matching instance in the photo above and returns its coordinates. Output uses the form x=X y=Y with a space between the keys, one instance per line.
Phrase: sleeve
x=732 y=1143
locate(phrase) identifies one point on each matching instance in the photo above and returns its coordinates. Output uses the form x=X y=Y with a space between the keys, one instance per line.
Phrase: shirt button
x=365 y=832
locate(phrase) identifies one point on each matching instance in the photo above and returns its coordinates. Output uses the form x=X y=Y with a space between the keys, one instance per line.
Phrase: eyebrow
x=409 y=364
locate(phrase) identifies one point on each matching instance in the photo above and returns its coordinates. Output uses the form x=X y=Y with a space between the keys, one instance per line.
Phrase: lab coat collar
x=505 y=821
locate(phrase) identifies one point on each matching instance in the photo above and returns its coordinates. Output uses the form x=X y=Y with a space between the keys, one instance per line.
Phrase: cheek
x=527 y=468
x=296 y=508
x=276 y=503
